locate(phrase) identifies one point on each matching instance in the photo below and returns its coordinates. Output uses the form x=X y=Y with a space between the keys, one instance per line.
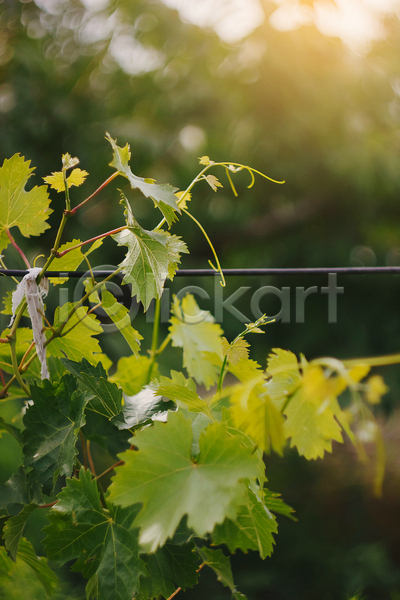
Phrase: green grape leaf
x=275 y=504
x=52 y=425
x=169 y=484
x=310 y=413
x=17 y=492
x=152 y=257
x=78 y=342
x=221 y=565
x=195 y=332
x=71 y=260
x=100 y=430
x=235 y=352
x=11 y=429
x=182 y=390
x=37 y=567
x=284 y=370
x=251 y=530
x=160 y=194
x=18 y=208
x=132 y=373
x=14 y=529
x=169 y=567
x=103 y=541
x=119 y=315
x=7 y=305
x=56 y=180
x=245 y=370
x=104 y=397
x=142 y=407
x=254 y=413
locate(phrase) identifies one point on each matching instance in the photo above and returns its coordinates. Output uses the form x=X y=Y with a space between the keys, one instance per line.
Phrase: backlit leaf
x=78 y=342
x=163 y=476
x=119 y=315
x=311 y=422
x=71 y=260
x=235 y=352
x=163 y=193
x=28 y=211
x=152 y=257
x=282 y=365
x=56 y=180
x=195 y=332
x=132 y=373
x=182 y=390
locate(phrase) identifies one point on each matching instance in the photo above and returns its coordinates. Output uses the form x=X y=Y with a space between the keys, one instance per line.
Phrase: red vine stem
x=2 y=378
x=103 y=185
x=48 y=505
x=98 y=237
x=104 y=473
x=18 y=249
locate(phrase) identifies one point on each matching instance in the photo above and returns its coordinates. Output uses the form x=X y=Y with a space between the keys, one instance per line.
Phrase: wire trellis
x=227 y=272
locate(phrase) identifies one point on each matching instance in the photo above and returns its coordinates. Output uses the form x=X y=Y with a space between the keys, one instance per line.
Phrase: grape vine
x=186 y=450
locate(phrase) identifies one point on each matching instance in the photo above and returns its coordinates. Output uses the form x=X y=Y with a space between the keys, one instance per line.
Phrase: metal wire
x=227 y=272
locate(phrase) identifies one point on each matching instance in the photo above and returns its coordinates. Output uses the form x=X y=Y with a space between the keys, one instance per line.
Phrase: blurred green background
x=303 y=91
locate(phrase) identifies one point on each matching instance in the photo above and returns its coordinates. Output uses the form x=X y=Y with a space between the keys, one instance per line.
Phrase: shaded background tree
x=258 y=83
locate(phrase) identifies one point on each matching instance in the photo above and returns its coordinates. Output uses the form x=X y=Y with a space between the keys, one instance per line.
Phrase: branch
x=103 y=185
x=98 y=237
x=18 y=249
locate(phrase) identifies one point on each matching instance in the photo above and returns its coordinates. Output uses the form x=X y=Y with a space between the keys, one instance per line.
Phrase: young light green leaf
x=52 y=424
x=28 y=211
x=142 y=407
x=254 y=413
x=152 y=257
x=182 y=390
x=161 y=194
x=235 y=352
x=104 y=397
x=132 y=373
x=213 y=182
x=103 y=541
x=245 y=370
x=56 y=180
x=310 y=413
x=119 y=315
x=78 y=342
x=283 y=367
x=251 y=530
x=169 y=567
x=195 y=332
x=163 y=476
x=71 y=260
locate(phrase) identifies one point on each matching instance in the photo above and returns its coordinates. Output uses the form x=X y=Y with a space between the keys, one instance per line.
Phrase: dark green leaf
x=16 y=493
x=252 y=529
x=170 y=567
x=14 y=529
x=52 y=425
x=103 y=541
x=221 y=565
x=104 y=397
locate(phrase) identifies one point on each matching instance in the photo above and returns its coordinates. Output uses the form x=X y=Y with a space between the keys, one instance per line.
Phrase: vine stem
x=377 y=361
x=15 y=364
x=97 y=237
x=104 y=473
x=103 y=185
x=154 y=340
x=48 y=505
x=84 y=453
x=90 y=459
x=18 y=249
